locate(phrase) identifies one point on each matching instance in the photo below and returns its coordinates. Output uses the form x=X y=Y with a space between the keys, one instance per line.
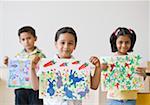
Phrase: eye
x=120 y=42
x=70 y=43
x=23 y=39
x=29 y=37
x=127 y=42
x=63 y=43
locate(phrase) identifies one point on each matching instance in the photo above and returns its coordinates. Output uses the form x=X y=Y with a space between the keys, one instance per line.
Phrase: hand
x=95 y=61
x=141 y=71
x=5 y=60
x=35 y=60
x=104 y=66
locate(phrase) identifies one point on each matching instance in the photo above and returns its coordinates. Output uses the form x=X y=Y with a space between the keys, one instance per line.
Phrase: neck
x=60 y=57
x=30 y=50
x=119 y=53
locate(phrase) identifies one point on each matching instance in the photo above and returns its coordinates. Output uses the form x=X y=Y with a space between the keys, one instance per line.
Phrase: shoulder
x=39 y=53
x=20 y=54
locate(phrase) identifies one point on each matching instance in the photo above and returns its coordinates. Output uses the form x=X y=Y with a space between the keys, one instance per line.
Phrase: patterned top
x=24 y=54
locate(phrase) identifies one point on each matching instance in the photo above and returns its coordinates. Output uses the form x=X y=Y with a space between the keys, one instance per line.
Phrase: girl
x=122 y=41
x=65 y=42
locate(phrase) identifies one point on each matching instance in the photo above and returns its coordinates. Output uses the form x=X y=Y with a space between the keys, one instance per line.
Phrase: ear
x=35 y=38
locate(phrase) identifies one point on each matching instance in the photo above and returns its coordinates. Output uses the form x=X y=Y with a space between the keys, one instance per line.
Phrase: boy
x=27 y=37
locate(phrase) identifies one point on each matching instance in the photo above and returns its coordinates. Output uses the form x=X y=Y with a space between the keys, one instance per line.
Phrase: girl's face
x=123 y=44
x=27 y=40
x=65 y=45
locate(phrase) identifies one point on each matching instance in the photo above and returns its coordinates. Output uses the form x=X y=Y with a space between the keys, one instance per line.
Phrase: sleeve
x=92 y=69
x=42 y=55
x=18 y=55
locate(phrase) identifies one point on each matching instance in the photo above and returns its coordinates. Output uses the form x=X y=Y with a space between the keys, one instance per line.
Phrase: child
x=122 y=41
x=27 y=38
x=65 y=42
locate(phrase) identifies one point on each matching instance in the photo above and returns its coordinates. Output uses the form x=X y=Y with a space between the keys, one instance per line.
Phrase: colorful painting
x=121 y=73
x=69 y=79
x=19 y=73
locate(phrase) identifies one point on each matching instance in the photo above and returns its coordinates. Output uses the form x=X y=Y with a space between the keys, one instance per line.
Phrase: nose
x=26 y=41
x=66 y=46
x=124 y=44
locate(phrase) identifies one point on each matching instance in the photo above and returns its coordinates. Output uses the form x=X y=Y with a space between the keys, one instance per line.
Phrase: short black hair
x=28 y=29
x=66 y=30
x=122 y=31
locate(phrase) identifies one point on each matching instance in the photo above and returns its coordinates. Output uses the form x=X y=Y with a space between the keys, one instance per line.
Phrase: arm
x=34 y=78
x=141 y=71
x=95 y=79
x=146 y=74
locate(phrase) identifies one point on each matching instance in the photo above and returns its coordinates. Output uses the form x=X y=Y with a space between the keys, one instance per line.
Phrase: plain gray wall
x=0 y=31
x=94 y=21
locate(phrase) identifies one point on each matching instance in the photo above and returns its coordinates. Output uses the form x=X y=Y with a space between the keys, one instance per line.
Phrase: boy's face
x=65 y=45
x=27 y=40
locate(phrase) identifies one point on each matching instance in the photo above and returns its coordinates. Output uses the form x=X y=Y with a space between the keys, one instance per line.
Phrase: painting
x=69 y=79
x=19 y=73
x=121 y=73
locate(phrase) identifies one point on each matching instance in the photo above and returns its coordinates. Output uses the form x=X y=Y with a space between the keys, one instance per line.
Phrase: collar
x=36 y=50
x=57 y=57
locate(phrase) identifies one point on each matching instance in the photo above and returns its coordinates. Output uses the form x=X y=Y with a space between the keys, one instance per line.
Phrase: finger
x=91 y=58
x=94 y=61
x=5 y=58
